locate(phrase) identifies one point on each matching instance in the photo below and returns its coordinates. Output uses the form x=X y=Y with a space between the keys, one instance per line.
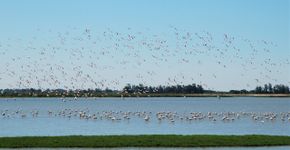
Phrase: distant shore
x=159 y=95
x=144 y=141
x=213 y=95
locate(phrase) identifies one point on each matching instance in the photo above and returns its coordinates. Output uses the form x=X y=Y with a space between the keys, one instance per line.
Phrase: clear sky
x=260 y=30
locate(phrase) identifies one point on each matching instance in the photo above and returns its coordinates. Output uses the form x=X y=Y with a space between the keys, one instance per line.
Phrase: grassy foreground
x=144 y=141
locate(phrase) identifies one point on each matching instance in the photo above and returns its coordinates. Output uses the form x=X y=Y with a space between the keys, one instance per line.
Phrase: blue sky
x=244 y=19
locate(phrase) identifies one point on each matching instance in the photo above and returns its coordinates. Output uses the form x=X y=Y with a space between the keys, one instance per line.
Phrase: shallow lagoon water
x=55 y=125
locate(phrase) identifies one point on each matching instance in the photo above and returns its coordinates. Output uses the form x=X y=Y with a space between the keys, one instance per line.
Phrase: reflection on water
x=116 y=116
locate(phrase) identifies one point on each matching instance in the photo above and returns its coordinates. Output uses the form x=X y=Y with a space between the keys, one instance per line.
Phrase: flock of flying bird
x=87 y=59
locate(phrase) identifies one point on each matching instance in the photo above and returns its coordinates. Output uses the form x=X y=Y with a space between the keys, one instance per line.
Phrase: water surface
x=55 y=124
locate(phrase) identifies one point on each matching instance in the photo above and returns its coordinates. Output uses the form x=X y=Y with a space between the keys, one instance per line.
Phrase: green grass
x=144 y=141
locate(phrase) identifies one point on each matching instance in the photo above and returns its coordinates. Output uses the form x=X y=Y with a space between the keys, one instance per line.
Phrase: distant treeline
x=138 y=90
x=141 y=89
x=266 y=89
x=56 y=93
